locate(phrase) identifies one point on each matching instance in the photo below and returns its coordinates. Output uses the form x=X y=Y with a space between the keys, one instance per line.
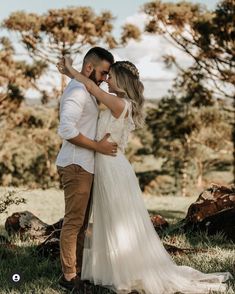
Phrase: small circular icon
x=16 y=278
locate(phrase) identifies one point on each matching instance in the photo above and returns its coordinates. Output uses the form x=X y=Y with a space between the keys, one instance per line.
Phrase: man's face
x=100 y=72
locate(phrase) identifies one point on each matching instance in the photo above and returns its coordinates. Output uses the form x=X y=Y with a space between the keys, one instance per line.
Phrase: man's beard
x=93 y=77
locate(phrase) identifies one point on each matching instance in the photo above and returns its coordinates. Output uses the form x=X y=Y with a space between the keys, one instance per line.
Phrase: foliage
x=49 y=36
x=200 y=137
x=15 y=77
x=130 y=31
x=60 y=31
x=28 y=138
x=29 y=146
x=206 y=36
x=8 y=199
x=30 y=142
x=190 y=129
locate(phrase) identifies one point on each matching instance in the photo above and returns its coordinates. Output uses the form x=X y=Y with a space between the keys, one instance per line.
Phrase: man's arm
x=103 y=146
x=71 y=112
x=70 y=115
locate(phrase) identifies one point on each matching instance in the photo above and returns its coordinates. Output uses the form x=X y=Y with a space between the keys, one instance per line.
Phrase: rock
x=55 y=229
x=213 y=211
x=50 y=247
x=211 y=201
x=223 y=221
x=159 y=222
x=27 y=224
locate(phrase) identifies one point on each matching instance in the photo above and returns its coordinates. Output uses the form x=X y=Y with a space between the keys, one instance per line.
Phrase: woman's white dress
x=122 y=250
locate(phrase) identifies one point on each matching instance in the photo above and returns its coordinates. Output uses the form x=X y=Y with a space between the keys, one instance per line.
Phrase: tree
x=28 y=141
x=192 y=140
x=130 y=31
x=206 y=36
x=15 y=77
x=28 y=147
x=58 y=32
x=171 y=128
x=211 y=140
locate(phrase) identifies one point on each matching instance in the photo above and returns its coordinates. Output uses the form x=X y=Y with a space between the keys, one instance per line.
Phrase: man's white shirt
x=78 y=114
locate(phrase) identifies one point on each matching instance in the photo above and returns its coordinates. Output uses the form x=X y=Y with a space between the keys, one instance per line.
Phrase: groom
x=75 y=161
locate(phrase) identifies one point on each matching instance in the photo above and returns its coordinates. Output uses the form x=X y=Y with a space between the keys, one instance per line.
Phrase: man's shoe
x=69 y=285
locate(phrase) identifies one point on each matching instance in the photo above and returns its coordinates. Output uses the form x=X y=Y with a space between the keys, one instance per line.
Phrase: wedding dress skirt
x=122 y=249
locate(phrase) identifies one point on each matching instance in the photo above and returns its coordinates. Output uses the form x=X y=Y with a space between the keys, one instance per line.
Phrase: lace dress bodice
x=119 y=128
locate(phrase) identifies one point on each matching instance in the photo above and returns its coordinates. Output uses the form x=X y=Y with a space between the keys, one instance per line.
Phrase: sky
x=120 y=9
x=146 y=54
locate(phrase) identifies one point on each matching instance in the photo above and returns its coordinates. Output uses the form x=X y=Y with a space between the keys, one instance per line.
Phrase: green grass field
x=41 y=275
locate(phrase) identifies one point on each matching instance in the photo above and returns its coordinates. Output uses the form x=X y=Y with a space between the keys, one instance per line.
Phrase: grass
x=40 y=276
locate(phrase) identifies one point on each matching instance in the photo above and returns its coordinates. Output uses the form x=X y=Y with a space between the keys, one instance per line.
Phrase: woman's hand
x=64 y=66
x=68 y=62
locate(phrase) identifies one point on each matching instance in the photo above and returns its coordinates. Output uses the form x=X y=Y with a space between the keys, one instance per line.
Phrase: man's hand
x=106 y=147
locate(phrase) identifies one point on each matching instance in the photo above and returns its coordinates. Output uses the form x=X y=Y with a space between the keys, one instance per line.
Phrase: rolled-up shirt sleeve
x=71 y=112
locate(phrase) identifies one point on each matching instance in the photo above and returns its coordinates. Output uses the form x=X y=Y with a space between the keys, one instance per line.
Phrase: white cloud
x=138 y=19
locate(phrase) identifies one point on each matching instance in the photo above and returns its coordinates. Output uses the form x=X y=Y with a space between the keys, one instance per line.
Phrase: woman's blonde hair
x=126 y=77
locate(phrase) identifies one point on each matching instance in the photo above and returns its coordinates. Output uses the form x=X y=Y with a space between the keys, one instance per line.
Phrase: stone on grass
x=213 y=211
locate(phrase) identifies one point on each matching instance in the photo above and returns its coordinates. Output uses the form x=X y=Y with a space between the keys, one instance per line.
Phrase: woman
x=124 y=252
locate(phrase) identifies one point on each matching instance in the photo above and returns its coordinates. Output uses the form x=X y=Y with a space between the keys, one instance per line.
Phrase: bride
x=124 y=253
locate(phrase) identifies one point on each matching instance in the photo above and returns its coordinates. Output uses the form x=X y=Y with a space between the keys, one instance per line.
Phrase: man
x=75 y=161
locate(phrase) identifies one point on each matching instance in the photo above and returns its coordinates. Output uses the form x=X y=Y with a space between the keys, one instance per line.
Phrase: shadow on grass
x=36 y=274
x=194 y=238
x=40 y=276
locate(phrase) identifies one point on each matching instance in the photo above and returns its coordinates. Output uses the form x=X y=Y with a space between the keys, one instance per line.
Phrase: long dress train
x=123 y=251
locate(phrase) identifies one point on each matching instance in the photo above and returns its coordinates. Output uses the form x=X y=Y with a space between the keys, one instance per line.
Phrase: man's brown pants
x=77 y=184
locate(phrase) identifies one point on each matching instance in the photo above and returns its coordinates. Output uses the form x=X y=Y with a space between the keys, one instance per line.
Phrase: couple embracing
x=120 y=250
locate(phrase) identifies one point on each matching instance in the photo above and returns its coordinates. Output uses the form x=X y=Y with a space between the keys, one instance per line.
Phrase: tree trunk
x=184 y=178
x=185 y=166
x=63 y=80
x=200 y=171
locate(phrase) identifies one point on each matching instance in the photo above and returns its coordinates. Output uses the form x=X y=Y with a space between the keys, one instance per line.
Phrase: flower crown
x=129 y=66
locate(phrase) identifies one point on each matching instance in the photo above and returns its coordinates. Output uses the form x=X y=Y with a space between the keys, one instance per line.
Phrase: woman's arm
x=114 y=103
